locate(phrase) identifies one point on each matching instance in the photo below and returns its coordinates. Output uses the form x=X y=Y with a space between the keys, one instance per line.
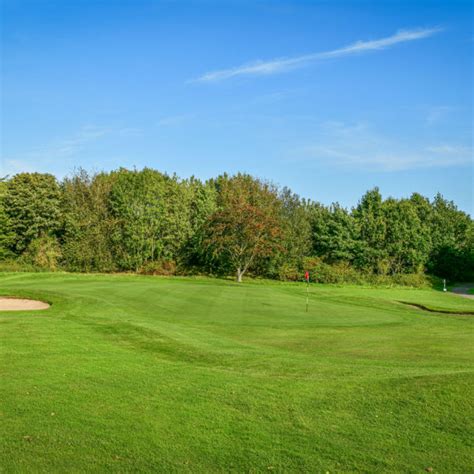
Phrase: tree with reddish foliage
x=246 y=226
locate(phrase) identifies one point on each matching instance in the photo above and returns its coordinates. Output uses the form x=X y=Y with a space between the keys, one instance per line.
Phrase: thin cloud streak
x=275 y=66
x=360 y=147
x=63 y=151
x=174 y=120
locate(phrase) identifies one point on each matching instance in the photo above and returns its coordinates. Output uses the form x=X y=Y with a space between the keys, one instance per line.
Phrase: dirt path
x=18 y=304
x=463 y=290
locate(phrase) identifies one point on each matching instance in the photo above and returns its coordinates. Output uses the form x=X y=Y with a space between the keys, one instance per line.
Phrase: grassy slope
x=134 y=373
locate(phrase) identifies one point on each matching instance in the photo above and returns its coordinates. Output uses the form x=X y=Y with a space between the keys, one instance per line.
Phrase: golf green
x=130 y=373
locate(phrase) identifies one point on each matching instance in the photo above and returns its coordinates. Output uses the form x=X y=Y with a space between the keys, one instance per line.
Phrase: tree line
x=149 y=222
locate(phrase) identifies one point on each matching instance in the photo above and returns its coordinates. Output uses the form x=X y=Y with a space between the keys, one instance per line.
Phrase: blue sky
x=328 y=98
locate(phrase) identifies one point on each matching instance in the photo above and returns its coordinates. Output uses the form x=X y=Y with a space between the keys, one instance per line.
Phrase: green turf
x=146 y=374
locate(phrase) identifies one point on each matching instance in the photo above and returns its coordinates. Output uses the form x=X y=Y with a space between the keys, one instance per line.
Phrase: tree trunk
x=239 y=275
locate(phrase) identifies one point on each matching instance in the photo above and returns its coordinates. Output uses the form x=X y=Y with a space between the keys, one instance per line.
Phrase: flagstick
x=307 y=294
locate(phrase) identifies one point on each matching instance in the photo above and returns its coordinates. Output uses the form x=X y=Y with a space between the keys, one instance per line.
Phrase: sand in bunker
x=19 y=304
x=464 y=290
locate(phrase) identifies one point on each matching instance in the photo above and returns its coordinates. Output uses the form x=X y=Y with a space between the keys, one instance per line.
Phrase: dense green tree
x=449 y=225
x=7 y=236
x=153 y=217
x=286 y=261
x=137 y=202
x=296 y=227
x=451 y=231
x=423 y=209
x=178 y=217
x=202 y=204
x=334 y=233
x=468 y=252
x=370 y=219
x=32 y=205
x=407 y=241
x=88 y=224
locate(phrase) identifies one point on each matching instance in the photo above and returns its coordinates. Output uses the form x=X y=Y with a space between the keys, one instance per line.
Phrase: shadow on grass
x=432 y=310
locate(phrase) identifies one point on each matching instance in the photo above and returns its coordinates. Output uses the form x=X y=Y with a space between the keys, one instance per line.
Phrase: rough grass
x=146 y=374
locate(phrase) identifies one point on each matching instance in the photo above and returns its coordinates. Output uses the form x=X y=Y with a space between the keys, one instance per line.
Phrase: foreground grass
x=127 y=373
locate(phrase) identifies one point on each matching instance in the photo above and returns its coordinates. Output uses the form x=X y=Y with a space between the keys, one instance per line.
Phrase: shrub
x=289 y=272
x=417 y=280
x=344 y=273
x=159 y=267
x=15 y=265
x=341 y=272
x=43 y=253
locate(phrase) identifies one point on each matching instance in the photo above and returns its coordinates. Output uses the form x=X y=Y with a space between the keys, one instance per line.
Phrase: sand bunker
x=464 y=290
x=19 y=304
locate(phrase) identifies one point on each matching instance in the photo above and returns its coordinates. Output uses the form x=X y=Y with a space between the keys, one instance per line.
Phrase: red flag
x=306 y=276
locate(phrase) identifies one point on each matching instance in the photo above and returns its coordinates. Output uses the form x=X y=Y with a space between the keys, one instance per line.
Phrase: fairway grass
x=130 y=373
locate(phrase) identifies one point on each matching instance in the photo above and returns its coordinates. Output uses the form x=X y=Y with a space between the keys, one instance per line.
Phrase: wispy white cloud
x=72 y=145
x=57 y=152
x=173 y=120
x=9 y=167
x=65 y=152
x=359 y=146
x=130 y=132
x=274 y=66
x=436 y=113
x=448 y=149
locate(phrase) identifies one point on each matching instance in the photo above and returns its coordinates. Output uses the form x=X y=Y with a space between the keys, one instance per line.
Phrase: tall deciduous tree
x=451 y=231
x=202 y=204
x=334 y=233
x=32 y=205
x=7 y=236
x=88 y=224
x=137 y=201
x=153 y=217
x=407 y=240
x=370 y=218
x=296 y=236
x=449 y=225
x=246 y=226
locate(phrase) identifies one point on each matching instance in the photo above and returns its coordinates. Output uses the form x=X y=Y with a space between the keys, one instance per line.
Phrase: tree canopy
x=246 y=224
x=147 y=221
